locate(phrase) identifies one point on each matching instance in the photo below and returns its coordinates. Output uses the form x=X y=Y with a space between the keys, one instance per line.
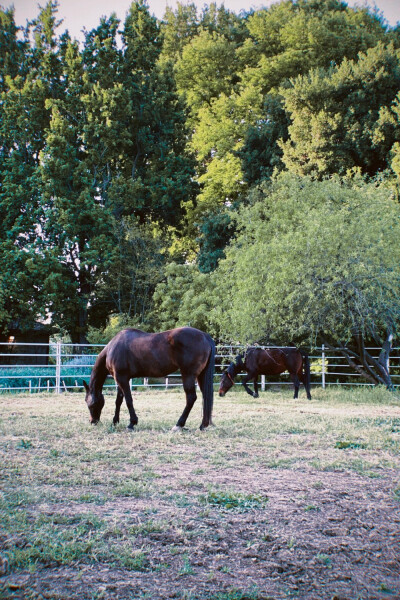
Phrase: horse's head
x=227 y=380
x=95 y=403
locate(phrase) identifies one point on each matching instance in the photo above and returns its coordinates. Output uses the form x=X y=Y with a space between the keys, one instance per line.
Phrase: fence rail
x=59 y=367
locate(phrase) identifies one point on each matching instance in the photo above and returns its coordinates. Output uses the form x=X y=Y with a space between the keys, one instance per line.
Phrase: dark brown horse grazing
x=271 y=361
x=135 y=353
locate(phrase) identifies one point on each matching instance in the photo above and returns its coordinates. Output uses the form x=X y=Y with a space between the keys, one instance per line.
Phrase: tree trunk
x=375 y=371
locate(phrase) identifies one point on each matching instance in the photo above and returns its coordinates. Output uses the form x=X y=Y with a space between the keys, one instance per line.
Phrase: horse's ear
x=85 y=385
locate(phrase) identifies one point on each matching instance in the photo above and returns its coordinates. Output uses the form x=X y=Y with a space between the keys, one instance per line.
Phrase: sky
x=78 y=14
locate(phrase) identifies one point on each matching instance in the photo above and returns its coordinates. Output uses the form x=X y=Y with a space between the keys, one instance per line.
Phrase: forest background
x=233 y=172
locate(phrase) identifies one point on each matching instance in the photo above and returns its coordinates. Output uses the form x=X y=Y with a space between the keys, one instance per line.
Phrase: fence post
x=323 y=366
x=263 y=383
x=58 y=368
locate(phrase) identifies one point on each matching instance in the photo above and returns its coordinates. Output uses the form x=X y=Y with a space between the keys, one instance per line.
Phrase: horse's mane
x=235 y=367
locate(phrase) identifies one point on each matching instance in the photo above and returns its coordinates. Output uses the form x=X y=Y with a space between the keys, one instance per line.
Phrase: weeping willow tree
x=315 y=261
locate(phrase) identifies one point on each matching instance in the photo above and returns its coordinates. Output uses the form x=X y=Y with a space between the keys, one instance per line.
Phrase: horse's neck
x=99 y=373
x=239 y=364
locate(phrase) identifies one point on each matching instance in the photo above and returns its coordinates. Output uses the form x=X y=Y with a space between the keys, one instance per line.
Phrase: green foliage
x=216 y=231
x=206 y=69
x=184 y=298
x=305 y=266
x=338 y=115
x=91 y=158
x=114 y=324
x=116 y=158
x=293 y=37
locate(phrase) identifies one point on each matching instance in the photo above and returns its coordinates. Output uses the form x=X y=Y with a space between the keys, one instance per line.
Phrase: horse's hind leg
x=123 y=384
x=296 y=384
x=189 y=385
x=118 y=401
x=306 y=384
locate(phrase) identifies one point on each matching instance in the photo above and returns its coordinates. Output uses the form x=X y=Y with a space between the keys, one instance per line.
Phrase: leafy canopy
x=313 y=258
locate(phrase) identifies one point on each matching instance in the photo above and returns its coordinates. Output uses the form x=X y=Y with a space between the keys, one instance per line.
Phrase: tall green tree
x=303 y=268
x=12 y=48
x=183 y=298
x=238 y=116
x=29 y=75
x=206 y=69
x=335 y=115
x=178 y=27
x=76 y=220
x=293 y=36
x=113 y=157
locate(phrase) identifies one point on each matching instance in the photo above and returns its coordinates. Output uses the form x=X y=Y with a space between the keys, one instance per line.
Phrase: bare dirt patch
x=282 y=499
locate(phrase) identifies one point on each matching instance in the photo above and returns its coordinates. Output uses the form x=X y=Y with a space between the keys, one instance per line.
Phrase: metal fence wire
x=59 y=367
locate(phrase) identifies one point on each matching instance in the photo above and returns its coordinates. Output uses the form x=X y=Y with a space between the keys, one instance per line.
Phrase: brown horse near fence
x=268 y=361
x=134 y=353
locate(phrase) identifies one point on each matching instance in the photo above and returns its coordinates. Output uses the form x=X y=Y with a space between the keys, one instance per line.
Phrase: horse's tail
x=207 y=384
x=306 y=371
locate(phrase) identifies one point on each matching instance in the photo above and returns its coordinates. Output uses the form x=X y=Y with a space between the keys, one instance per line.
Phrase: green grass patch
x=229 y=500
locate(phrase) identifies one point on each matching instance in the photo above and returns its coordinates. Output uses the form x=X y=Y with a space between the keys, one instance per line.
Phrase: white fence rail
x=59 y=367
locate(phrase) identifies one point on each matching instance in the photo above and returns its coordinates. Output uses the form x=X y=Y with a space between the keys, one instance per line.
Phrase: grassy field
x=281 y=499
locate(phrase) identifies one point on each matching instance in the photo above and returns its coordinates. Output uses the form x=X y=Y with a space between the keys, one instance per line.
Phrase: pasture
x=281 y=499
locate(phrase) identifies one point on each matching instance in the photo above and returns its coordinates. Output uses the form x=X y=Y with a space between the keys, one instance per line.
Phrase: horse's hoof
x=256 y=396
x=176 y=429
x=131 y=427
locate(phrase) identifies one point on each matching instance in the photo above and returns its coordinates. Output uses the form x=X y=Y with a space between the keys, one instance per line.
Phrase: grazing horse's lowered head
x=228 y=376
x=95 y=403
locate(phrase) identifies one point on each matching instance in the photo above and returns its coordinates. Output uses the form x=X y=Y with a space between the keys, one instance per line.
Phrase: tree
x=294 y=36
x=184 y=298
x=216 y=230
x=206 y=69
x=178 y=28
x=29 y=76
x=336 y=114
x=137 y=266
x=75 y=220
x=12 y=49
x=315 y=261
x=93 y=150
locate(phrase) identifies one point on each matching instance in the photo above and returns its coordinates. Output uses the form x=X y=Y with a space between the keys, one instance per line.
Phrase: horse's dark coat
x=270 y=361
x=134 y=353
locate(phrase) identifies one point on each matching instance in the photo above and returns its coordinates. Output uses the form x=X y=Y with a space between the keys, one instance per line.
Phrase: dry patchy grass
x=282 y=499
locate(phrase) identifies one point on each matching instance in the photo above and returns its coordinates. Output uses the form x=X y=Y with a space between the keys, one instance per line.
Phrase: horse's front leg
x=255 y=387
x=118 y=401
x=245 y=381
x=123 y=384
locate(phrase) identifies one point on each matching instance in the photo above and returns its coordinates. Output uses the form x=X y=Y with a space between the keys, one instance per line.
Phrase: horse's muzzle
x=221 y=394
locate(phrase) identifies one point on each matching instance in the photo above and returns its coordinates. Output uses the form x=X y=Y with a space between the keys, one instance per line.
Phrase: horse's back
x=273 y=361
x=142 y=354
